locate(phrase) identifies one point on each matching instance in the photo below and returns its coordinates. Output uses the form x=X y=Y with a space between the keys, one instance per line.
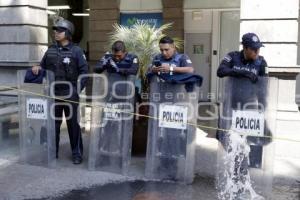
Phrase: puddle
x=202 y=188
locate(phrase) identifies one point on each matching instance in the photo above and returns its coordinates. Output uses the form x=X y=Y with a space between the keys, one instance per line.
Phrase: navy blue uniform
x=178 y=60
x=234 y=64
x=67 y=63
x=127 y=66
x=171 y=144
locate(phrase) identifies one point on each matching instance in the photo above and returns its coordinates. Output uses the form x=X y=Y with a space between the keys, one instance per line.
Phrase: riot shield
x=171 y=131
x=111 y=122
x=36 y=124
x=9 y=137
x=245 y=157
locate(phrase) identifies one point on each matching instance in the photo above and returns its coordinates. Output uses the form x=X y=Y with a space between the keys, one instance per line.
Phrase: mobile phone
x=157 y=63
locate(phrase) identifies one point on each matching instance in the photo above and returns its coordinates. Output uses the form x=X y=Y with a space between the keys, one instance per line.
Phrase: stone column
x=103 y=14
x=276 y=23
x=173 y=13
x=24 y=36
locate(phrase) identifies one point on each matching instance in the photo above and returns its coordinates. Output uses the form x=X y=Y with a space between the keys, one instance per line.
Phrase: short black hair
x=118 y=46
x=166 y=40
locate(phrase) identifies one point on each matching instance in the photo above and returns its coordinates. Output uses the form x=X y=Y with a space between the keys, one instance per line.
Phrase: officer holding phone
x=169 y=60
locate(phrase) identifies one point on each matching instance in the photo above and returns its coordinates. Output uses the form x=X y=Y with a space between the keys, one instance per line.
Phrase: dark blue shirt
x=235 y=62
x=127 y=66
x=179 y=60
x=77 y=55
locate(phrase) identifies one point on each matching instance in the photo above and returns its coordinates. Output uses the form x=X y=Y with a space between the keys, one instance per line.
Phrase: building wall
x=198 y=21
x=298 y=77
x=104 y=14
x=23 y=36
x=140 y=5
x=173 y=13
x=211 y=4
x=281 y=53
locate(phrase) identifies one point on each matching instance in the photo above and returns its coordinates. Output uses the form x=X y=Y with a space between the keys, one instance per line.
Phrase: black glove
x=113 y=65
x=105 y=59
x=105 y=63
x=243 y=72
x=253 y=77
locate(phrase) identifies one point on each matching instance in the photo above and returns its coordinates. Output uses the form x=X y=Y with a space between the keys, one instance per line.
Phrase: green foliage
x=142 y=40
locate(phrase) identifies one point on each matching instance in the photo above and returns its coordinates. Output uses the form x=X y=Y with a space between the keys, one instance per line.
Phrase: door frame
x=210 y=56
x=215 y=45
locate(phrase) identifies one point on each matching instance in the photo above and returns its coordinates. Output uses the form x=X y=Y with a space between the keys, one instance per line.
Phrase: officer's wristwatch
x=171 y=70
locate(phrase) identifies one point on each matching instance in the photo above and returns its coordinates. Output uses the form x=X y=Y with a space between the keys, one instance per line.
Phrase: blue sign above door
x=129 y=19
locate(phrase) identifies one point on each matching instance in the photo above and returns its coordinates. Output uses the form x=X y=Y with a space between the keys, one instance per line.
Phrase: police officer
x=169 y=60
x=248 y=64
x=68 y=62
x=120 y=61
x=245 y=63
x=175 y=68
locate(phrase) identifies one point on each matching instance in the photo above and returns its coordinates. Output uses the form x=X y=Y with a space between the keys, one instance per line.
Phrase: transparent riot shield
x=171 y=131
x=245 y=156
x=36 y=125
x=111 y=123
x=9 y=137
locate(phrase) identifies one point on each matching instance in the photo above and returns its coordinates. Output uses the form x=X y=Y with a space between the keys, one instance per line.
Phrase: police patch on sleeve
x=189 y=61
x=227 y=58
x=135 y=61
x=84 y=57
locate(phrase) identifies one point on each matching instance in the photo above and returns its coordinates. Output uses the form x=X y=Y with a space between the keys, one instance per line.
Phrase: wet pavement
x=142 y=190
x=76 y=182
x=203 y=188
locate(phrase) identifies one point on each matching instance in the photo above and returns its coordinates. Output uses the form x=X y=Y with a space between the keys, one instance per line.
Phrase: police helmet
x=65 y=24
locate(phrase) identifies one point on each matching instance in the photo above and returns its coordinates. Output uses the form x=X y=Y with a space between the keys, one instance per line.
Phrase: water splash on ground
x=234 y=181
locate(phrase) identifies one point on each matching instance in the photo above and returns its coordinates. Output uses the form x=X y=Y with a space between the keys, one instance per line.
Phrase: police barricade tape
x=146 y=116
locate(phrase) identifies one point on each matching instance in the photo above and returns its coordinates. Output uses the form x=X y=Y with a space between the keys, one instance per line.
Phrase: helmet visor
x=59 y=29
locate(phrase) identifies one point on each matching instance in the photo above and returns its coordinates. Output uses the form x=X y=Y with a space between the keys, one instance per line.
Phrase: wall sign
x=129 y=19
